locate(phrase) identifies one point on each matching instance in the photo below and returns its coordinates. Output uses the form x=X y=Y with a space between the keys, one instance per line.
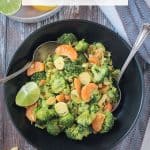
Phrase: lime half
x=9 y=7
x=28 y=94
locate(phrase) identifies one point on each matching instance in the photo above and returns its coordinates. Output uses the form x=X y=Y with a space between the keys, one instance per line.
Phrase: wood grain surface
x=11 y=35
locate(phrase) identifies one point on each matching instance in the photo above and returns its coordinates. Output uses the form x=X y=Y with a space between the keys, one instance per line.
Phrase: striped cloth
x=127 y=20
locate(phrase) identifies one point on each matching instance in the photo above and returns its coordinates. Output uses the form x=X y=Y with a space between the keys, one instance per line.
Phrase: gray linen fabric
x=134 y=139
x=132 y=17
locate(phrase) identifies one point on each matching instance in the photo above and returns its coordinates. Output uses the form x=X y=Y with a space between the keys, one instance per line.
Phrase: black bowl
x=131 y=87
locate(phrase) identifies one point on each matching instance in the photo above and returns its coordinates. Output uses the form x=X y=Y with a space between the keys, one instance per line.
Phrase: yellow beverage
x=44 y=8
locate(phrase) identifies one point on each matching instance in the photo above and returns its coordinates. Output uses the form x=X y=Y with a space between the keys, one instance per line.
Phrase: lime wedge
x=28 y=94
x=9 y=7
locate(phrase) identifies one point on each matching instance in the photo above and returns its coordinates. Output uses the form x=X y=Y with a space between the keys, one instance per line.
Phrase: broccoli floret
x=77 y=132
x=38 y=76
x=96 y=95
x=115 y=73
x=81 y=45
x=85 y=118
x=73 y=108
x=49 y=63
x=108 y=122
x=71 y=69
x=53 y=127
x=82 y=107
x=46 y=92
x=67 y=38
x=100 y=46
x=41 y=126
x=95 y=47
x=113 y=94
x=99 y=73
x=58 y=84
x=81 y=59
x=66 y=89
x=75 y=96
x=44 y=114
x=94 y=108
x=66 y=121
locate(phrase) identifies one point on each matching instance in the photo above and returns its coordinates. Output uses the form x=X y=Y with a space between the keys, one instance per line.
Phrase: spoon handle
x=5 y=79
x=139 y=41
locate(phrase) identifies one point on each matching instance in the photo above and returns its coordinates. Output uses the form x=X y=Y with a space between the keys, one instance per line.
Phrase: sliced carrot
x=94 y=59
x=30 y=112
x=35 y=67
x=67 y=50
x=39 y=66
x=42 y=82
x=87 y=91
x=77 y=85
x=108 y=106
x=31 y=70
x=67 y=97
x=60 y=98
x=98 y=122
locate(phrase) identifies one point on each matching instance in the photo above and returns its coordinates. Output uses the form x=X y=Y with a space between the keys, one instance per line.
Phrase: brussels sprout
x=81 y=45
x=99 y=73
x=59 y=63
x=77 y=132
x=85 y=78
x=108 y=122
x=66 y=121
x=61 y=108
x=67 y=38
x=53 y=127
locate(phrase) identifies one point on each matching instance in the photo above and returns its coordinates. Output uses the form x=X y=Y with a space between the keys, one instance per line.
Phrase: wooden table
x=11 y=35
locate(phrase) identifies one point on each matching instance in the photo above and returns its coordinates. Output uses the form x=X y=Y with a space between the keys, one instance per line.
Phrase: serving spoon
x=144 y=32
x=40 y=54
x=42 y=51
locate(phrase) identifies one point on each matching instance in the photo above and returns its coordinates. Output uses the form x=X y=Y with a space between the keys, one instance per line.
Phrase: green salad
x=72 y=91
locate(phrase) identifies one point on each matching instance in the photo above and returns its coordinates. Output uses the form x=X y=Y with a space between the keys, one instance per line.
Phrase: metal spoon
x=40 y=54
x=144 y=32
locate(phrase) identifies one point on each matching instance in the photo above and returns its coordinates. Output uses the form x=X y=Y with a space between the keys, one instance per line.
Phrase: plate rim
x=37 y=18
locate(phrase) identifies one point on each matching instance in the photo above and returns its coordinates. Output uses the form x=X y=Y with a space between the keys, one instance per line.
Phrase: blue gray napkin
x=128 y=20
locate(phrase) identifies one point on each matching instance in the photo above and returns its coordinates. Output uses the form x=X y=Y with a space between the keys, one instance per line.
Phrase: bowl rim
x=111 y=31
x=36 y=18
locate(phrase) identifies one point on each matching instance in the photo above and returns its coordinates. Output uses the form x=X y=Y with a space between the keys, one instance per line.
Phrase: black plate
x=131 y=86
